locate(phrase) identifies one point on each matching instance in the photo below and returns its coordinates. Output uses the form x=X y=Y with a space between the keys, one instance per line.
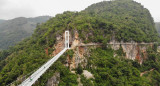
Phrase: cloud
x=153 y=6
x=2 y=2
x=10 y=9
x=12 y=13
x=31 y=8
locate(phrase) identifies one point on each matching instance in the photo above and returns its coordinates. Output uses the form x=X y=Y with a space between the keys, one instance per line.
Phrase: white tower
x=67 y=39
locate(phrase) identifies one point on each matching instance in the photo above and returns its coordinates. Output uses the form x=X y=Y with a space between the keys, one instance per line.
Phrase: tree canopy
x=125 y=19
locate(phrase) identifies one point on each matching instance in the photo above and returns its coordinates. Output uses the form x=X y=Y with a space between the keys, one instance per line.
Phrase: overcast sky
x=31 y=8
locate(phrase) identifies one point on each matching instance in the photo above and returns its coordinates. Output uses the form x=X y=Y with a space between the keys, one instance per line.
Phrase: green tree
x=79 y=69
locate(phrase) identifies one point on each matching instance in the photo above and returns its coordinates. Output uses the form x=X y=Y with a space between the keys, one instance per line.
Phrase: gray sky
x=31 y=8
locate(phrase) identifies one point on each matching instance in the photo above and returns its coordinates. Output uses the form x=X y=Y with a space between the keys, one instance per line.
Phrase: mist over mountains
x=157 y=24
x=15 y=30
x=1 y=21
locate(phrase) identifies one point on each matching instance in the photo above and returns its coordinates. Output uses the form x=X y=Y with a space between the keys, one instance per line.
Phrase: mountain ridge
x=157 y=24
x=102 y=22
x=1 y=21
x=15 y=30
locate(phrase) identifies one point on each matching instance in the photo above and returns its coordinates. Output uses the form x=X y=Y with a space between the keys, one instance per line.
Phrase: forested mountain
x=132 y=20
x=158 y=26
x=126 y=20
x=1 y=21
x=15 y=30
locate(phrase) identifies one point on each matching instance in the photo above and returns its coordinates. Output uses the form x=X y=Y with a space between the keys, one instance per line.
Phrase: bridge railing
x=31 y=79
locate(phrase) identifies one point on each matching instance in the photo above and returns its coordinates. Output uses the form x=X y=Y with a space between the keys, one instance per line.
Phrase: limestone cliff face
x=59 y=46
x=79 y=57
x=79 y=52
x=132 y=50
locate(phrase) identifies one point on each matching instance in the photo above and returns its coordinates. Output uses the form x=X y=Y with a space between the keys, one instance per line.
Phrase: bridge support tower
x=67 y=39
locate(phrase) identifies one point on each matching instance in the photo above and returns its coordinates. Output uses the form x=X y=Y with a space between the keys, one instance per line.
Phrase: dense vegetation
x=99 y=22
x=15 y=30
x=124 y=19
x=131 y=20
x=66 y=77
x=110 y=71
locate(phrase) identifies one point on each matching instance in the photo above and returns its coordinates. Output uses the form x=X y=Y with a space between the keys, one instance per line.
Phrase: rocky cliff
x=95 y=25
x=132 y=50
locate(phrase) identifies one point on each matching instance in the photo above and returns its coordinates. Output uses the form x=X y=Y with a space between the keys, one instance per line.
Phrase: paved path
x=96 y=44
x=141 y=74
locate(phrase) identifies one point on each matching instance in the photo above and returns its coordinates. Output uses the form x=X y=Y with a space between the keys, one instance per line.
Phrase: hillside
x=158 y=26
x=120 y=20
x=132 y=20
x=15 y=30
x=1 y=21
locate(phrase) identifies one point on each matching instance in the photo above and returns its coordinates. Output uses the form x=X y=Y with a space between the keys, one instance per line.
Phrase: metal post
x=66 y=39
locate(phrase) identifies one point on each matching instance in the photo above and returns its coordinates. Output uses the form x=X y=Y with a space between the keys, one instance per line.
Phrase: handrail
x=36 y=75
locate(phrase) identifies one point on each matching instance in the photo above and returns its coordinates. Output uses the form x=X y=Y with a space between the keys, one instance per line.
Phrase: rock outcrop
x=54 y=80
x=79 y=52
x=88 y=74
x=133 y=50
